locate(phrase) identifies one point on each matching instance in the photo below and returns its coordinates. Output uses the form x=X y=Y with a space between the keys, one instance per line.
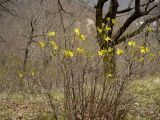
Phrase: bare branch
x=137 y=6
x=131 y=8
x=61 y=8
x=134 y=16
x=124 y=10
x=147 y=12
x=99 y=12
x=126 y=25
x=140 y=29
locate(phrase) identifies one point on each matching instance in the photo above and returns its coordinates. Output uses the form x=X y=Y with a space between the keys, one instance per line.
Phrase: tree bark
x=109 y=64
x=109 y=60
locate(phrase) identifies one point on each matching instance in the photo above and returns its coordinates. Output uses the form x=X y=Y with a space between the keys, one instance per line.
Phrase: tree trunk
x=109 y=64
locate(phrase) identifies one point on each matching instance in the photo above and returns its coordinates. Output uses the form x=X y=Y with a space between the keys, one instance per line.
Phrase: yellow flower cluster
x=107 y=28
x=105 y=51
x=68 y=53
x=103 y=24
x=113 y=20
x=53 y=44
x=140 y=59
x=99 y=30
x=82 y=37
x=149 y=29
x=51 y=34
x=119 y=51
x=109 y=75
x=20 y=74
x=110 y=49
x=102 y=52
x=77 y=31
x=80 y=50
x=33 y=73
x=131 y=43
x=79 y=34
x=107 y=38
x=108 y=18
x=144 y=49
x=42 y=44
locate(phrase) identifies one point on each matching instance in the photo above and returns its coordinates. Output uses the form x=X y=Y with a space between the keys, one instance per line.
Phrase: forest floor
x=38 y=106
x=26 y=107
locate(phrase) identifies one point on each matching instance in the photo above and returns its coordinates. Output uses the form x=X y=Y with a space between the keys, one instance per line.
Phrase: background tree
x=136 y=9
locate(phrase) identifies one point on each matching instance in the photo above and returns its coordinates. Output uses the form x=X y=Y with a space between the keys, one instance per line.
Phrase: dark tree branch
x=130 y=3
x=99 y=12
x=137 y=6
x=124 y=10
x=140 y=29
x=131 y=8
x=126 y=25
x=133 y=17
x=112 y=14
x=147 y=12
x=61 y=7
x=112 y=10
x=10 y=11
x=147 y=4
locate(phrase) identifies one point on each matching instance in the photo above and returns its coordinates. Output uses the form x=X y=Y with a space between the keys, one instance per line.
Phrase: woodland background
x=79 y=60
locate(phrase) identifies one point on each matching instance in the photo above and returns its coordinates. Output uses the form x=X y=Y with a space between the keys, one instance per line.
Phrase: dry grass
x=20 y=106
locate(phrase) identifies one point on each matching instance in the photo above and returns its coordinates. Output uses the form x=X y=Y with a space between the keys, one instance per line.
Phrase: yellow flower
x=20 y=74
x=53 y=44
x=107 y=39
x=131 y=43
x=103 y=24
x=141 y=59
x=119 y=51
x=99 y=30
x=113 y=21
x=33 y=73
x=108 y=19
x=144 y=49
x=149 y=29
x=82 y=37
x=109 y=75
x=110 y=49
x=152 y=55
x=107 y=28
x=68 y=53
x=51 y=34
x=147 y=49
x=77 y=31
x=102 y=52
x=80 y=50
x=42 y=44
x=55 y=47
